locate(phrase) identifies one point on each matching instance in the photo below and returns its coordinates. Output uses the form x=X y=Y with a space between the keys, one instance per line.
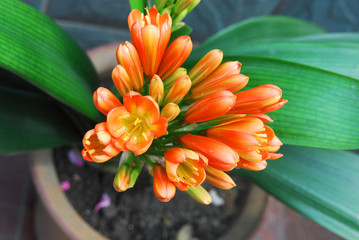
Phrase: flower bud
x=164 y=189
x=218 y=178
x=205 y=66
x=121 y=80
x=178 y=91
x=169 y=81
x=210 y=107
x=219 y=155
x=261 y=99
x=200 y=195
x=232 y=83
x=122 y=178
x=156 y=89
x=170 y=111
x=127 y=56
x=187 y=5
x=150 y=35
x=105 y=100
x=175 y=56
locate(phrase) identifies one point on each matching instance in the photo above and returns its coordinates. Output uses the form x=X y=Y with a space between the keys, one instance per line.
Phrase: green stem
x=146 y=160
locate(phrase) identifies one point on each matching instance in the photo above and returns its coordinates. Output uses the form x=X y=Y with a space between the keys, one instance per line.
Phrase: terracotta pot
x=56 y=219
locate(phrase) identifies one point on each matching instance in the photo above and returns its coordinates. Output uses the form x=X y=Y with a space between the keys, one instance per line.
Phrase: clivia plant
x=190 y=116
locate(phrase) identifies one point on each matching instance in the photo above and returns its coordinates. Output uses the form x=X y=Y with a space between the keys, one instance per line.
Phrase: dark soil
x=137 y=214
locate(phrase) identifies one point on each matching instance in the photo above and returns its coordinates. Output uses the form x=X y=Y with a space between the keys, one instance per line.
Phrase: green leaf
x=322 y=109
x=257 y=30
x=138 y=4
x=35 y=48
x=334 y=52
x=321 y=184
x=29 y=121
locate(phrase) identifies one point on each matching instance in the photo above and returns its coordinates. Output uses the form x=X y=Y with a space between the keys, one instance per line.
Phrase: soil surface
x=137 y=214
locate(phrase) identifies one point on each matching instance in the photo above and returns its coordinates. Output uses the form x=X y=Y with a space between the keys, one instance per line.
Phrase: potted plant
x=319 y=117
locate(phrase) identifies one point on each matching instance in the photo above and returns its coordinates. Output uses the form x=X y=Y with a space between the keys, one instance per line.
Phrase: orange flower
x=225 y=77
x=175 y=56
x=105 y=101
x=98 y=145
x=205 y=66
x=150 y=35
x=219 y=155
x=164 y=189
x=261 y=99
x=179 y=89
x=136 y=122
x=218 y=178
x=185 y=167
x=210 y=107
x=127 y=56
x=249 y=137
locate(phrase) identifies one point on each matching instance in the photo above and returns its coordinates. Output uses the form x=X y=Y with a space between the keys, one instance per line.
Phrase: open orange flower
x=249 y=137
x=185 y=167
x=136 y=123
x=98 y=145
x=150 y=35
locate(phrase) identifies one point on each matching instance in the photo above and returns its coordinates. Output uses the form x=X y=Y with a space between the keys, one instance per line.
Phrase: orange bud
x=121 y=80
x=218 y=178
x=169 y=81
x=261 y=99
x=205 y=66
x=98 y=146
x=210 y=107
x=127 y=56
x=200 y=195
x=156 y=89
x=219 y=155
x=150 y=35
x=164 y=189
x=253 y=166
x=179 y=89
x=122 y=178
x=175 y=56
x=105 y=101
x=170 y=111
x=232 y=83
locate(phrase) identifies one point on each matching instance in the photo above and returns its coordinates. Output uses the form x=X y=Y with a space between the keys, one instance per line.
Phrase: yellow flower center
x=188 y=172
x=134 y=127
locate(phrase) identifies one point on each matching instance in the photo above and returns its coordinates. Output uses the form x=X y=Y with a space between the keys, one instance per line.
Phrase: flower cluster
x=186 y=127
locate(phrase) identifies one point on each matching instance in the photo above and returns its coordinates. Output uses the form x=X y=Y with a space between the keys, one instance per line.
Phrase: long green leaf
x=37 y=49
x=321 y=184
x=337 y=52
x=29 y=121
x=257 y=30
x=322 y=109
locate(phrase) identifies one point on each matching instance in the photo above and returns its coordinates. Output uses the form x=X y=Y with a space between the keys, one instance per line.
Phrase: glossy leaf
x=321 y=184
x=30 y=121
x=38 y=50
x=322 y=109
x=257 y=30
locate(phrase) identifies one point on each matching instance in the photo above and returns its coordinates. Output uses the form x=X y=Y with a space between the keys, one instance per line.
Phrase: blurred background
x=96 y=22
